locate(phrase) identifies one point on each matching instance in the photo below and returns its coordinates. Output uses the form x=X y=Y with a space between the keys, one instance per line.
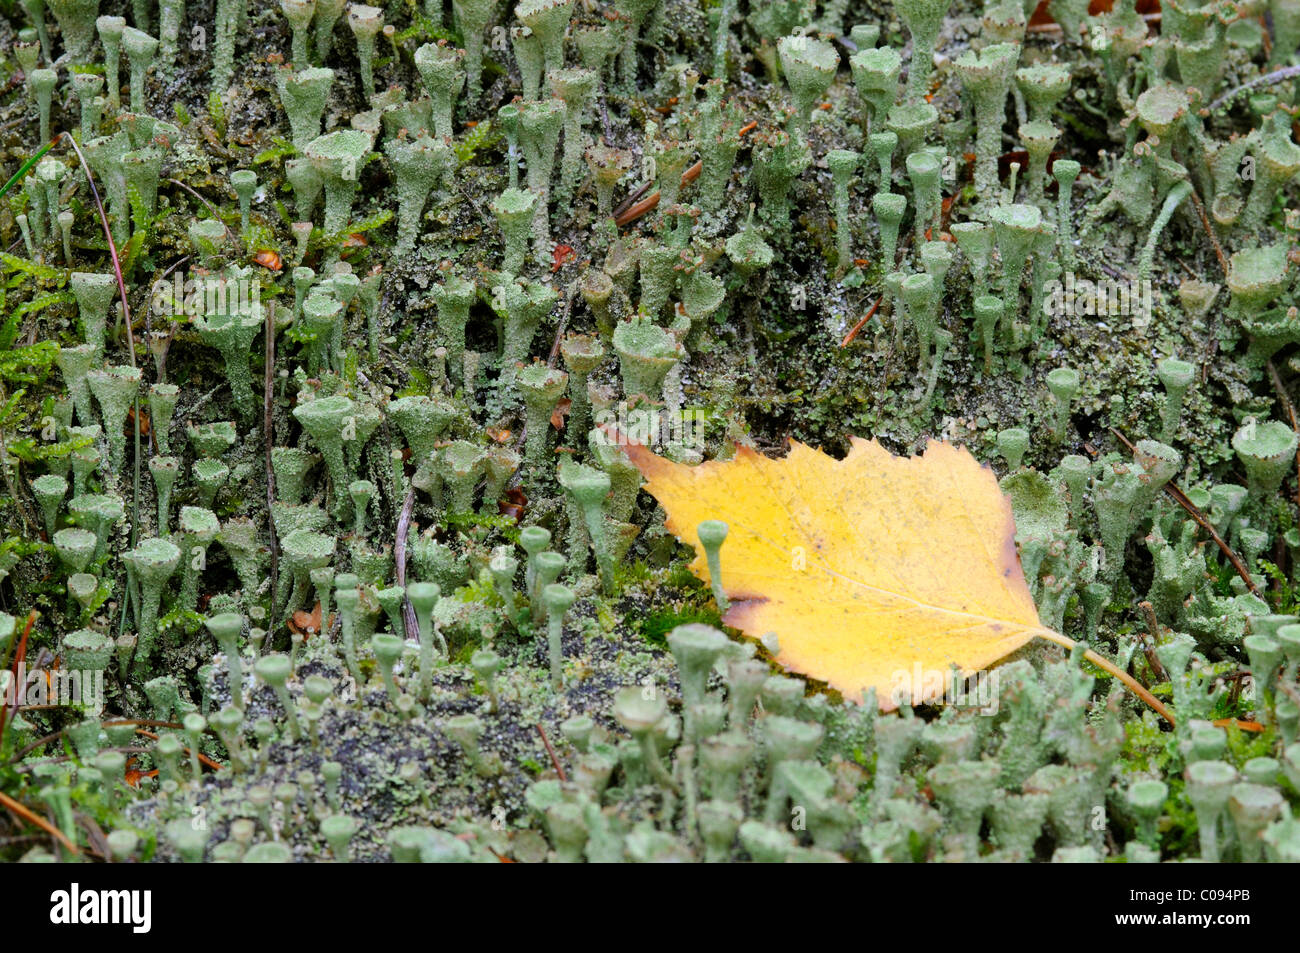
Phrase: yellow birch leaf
x=869 y=570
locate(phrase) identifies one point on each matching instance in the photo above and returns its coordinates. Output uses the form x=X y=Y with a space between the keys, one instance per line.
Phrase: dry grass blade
x=126 y=320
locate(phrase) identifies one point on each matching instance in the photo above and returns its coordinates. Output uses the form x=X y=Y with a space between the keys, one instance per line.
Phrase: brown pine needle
x=853 y=333
x=559 y=769
x=19 y=809
x=631 y=210
x=20 y=653
x=1181 y=499
x=202 y=757
x=1237 y=723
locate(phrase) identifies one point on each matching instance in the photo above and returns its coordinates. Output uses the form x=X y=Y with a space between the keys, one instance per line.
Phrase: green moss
x=656 y=625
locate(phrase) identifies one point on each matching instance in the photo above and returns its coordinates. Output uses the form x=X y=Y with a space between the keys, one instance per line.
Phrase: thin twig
x=563 y=324
x=604 y=120
x=1290 y=411
x=1181 y=499
x=1209 y=230
x=559 y=769
x=94 y=832
x=1268 y=79
x=211 y=208
x=853 y=333
x=1211 y=337
x=21 y=839
x=112 y=246
x=631 y=209
x=126 y=319
x=651 y=202
x=632 y=197
x=1149 y=647
x=268 y=433
x=399 y=556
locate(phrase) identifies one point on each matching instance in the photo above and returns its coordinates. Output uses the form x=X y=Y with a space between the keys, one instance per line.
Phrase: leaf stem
x=1136 y=687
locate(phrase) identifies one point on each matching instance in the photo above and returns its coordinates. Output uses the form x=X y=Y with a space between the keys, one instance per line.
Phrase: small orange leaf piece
x=513 y=504
x=871 y=570
x=307 y=624
x=269 y=259
x=133 y=774
x=145 y=427
x=561 y=412
x=562 y=255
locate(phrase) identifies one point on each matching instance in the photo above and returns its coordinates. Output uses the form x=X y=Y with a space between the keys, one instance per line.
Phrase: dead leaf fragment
x=561 y=412
x=308 y=624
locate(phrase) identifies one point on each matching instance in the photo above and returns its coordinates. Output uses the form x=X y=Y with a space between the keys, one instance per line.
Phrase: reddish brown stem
x=848 y=338
x=551 y=751
x=1181 y=499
